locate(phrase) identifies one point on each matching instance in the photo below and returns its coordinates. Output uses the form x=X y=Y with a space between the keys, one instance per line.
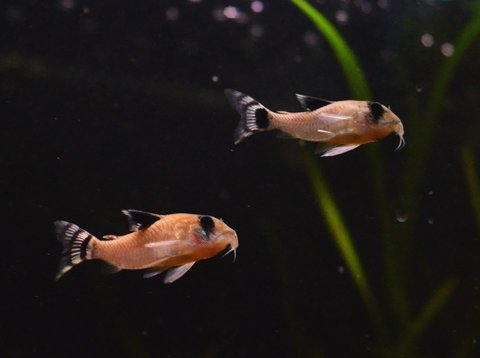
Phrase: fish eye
x=376 y=111
x=207 y=224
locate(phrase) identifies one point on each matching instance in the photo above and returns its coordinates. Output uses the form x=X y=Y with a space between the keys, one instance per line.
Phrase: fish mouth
x=231 y=246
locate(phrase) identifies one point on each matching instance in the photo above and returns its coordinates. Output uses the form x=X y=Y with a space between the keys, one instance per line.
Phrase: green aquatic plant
x=342 y=239
x=421 y=141
x=407 y=330
x=473 y=183
x=348 y=61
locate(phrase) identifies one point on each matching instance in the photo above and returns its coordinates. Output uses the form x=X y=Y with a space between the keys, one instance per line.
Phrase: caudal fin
x=254 y=117
x=75 y=243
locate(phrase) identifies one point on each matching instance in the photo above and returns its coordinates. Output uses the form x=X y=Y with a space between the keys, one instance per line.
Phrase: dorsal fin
x=310 y=103
x=138 y=219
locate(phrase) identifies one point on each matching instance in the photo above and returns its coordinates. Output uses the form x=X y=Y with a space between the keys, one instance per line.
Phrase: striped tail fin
x=254 y=117
x=75 y=243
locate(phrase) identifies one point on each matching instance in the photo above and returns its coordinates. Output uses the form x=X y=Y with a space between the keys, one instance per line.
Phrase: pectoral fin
x=175 y=273
x=330 y=152
x=334 y=117
x=326 y=135
x=152 y=272
x=138 y=219
x=310 y=103
x=171 y=248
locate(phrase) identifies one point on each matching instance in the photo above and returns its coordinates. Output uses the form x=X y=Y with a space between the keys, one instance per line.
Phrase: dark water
x=118 y=104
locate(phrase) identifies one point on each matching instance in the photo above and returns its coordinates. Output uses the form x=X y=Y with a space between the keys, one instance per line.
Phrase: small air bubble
x=341 y=269
x=447 y=49
x=401 y=217
x=257 y=6
x=214 y=78
x=419 y=88
x=310 y=38
x=427 y=40
x=431 y=221
x=430 y=192
x=341 y=16
x=231 y=12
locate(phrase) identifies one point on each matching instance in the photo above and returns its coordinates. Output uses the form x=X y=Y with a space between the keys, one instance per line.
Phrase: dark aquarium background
x=108 y=105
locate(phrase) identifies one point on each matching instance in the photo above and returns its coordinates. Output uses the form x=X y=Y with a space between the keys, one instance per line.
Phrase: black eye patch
x=207 y=224
x=376 y=111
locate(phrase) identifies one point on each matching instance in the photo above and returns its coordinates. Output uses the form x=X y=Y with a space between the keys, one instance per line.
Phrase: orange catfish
x=157 y=243
x=338 y=127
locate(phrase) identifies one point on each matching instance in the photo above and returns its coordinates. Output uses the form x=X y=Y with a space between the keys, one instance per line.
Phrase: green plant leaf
x=348 y=61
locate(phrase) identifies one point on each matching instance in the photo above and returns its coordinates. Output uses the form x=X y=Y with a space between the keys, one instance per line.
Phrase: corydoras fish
x=156 y=243
x=338 y=126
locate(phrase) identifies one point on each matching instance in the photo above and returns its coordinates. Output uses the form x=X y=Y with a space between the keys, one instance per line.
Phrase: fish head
x=213 y=236
x=386 y=122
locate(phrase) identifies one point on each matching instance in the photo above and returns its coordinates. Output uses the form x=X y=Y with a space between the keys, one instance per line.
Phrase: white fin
x=152 y=272
x=177 y=272
x=76 y=245
x=162 y=244
x=328 y=134
x=254 y=116
x=334 y=117
x=339 y=150
x=171 y=248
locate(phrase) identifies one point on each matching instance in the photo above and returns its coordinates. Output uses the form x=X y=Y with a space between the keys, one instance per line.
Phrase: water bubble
x=430 y=221
x=419 y=88
x=430 y=192
x=214 y=78
x=447 y=49
x=401 y=217
x=341 y=16
x=257 y=6
x=231 y=12
x=310 y=38
x=341 y=269
x=427 y=40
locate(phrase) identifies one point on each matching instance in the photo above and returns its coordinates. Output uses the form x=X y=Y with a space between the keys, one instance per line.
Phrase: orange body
x=157 y=243
x=339 y=123
x=173 y=240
